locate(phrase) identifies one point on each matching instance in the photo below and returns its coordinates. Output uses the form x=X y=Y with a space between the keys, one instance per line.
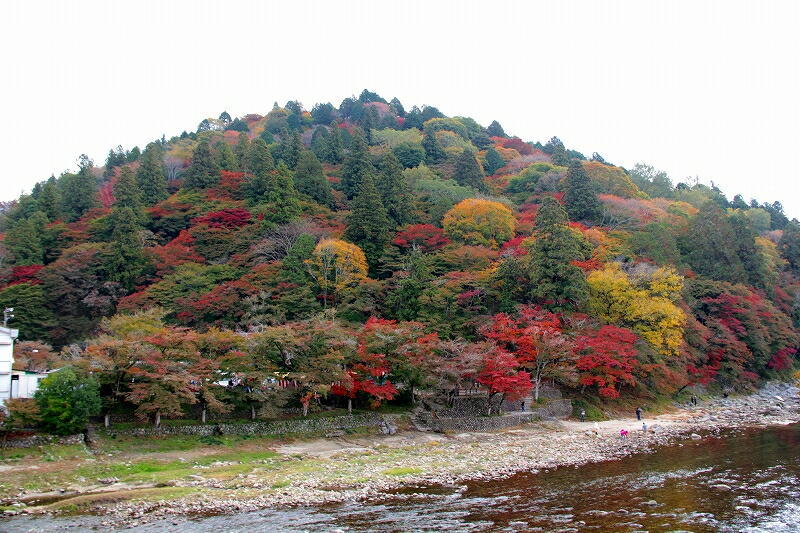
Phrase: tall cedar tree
x=24 y=240
x=555 y=280
x=309 y=179
x=579 y=197
x=495 y=129
x=259 y=159
x=280 y=197
x=468 y=172
x=434 y=153
x=203 y=172
x=79 y=193
x=789 y=246
x=319 y=142
x=127 y=192
x=368 y=224
x=241 y=150
x=357 y=165
x=290 y=148
x=50 y=199
x=394 y=191
x=125 y=259
x=150 y=175
x=493 y=161
x=334 y=149
x=226 y=159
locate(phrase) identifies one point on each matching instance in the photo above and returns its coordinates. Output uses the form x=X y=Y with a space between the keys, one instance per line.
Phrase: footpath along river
x=741 y=480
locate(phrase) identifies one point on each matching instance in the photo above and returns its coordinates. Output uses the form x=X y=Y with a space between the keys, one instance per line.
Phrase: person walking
x=583 y=415
x=644 y=427
x=623 y=434
x=638 y=413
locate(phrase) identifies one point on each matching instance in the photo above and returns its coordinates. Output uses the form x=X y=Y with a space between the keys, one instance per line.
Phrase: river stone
x=651 y=503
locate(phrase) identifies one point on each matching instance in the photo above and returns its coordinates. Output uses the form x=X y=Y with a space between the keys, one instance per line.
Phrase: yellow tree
x=337 y=266
x=644 y=301
x=478 y=221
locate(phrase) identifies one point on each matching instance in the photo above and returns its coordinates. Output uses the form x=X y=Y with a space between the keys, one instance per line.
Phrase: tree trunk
x=107 y=420
x=157 y=421
x=203 y=416
x=350 y=406
x=252 y=412
x=536 y=389
x=305 y=409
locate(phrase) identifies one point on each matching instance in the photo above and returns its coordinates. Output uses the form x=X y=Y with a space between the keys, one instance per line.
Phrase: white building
x=7 y=337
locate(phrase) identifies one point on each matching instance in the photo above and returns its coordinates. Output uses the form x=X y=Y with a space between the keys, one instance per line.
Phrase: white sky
x=698 y=88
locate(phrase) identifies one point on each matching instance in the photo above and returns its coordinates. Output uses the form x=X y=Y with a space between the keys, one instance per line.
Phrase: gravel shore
x=352 y=469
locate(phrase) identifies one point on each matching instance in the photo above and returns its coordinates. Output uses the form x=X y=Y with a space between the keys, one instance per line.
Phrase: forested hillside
x=355 y=252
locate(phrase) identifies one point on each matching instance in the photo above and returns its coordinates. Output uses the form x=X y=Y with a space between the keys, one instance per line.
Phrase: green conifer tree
x=319 y=142
x=368 y=224
x=241 y=150
x=79 y=191
x=281 y=199
x=468 y=172
x=125 y=260
x=290 y=148
x=579 y=197
x=226 y=159
x=259 y=158
x=203 y=172
x=789 y=246
x=434 y=153
x=24 y=240
x=310 y=180
x=555 y=280
x=50 y=199
x=495 y=129
x=334 y=150
x=394 y=191
x=357 y=165
x=150 y=175
x=493 y=161
x=127 y=192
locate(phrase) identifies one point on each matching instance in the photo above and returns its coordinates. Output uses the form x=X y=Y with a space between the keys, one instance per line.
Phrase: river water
x=742 y=481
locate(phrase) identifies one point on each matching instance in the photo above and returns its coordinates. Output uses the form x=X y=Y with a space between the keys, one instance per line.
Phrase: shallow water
x=744 y=480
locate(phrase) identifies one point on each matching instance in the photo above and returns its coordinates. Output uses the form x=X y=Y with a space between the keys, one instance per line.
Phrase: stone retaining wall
x=481 y=423
x=276 y=427
x=42 y=440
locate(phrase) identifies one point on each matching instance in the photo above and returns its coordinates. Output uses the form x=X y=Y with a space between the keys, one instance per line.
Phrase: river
x=743 y=480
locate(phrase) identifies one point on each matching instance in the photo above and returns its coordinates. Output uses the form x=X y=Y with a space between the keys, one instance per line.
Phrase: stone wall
x=276 y=427
x=555 y=409
x=481 y=423
x=42 y=440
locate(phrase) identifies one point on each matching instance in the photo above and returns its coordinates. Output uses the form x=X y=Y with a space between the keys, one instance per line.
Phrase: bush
x=66 y=400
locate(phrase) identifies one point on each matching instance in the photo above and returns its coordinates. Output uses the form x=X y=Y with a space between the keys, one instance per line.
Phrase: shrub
x=66 y=400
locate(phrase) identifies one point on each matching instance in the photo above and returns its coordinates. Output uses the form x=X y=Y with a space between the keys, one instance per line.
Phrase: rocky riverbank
x=351 y=469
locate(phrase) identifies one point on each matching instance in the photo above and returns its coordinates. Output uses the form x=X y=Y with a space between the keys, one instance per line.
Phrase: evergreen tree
x=394 y=191
x=127 y=192
x=241 y=150
x=368 y=224
x=555 y=280
x=789 y=246
x=150 y=175
x=226 y=159
x=557 y=151
x=493 y=161
x=290 y=148
x=259 y=159
x=79 y=191
x=32 y=317
x=495 y=129
x=309 y=179
x=125 y=260
x=749 y=254
x=225 y=117
x=334 y=150
x=319 y=142
x=398 y=107
x=203 y=172
x=369 y=122
x=281 y=196
x=357 y=165
x=434 y=153
x=133 y=155
x=294 y=267
x=468 y=173
x=50 y=199
x=24 y=240
x=579 y=197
